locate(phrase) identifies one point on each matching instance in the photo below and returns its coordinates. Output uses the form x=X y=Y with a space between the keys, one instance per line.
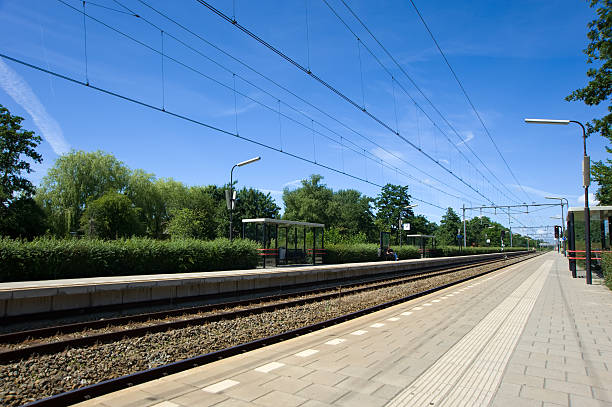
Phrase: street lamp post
x=399 y=223
x=562 y=218
x=231 y=200
x=586 y=181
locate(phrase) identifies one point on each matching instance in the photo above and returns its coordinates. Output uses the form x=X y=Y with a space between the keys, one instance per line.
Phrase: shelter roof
x=284 y=222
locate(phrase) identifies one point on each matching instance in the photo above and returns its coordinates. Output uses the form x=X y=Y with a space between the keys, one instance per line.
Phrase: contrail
x=18 y=89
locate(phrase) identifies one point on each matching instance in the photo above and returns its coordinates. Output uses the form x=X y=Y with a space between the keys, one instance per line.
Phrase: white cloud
x=239 y=110
x=467 y=136
x=592 y=199
x=18 y=89
x=390 y=156
x=294 y=183
x=535 y=191
x=270 y=191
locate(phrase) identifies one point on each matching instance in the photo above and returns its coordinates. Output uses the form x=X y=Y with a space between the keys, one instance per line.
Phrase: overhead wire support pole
x=464 y=232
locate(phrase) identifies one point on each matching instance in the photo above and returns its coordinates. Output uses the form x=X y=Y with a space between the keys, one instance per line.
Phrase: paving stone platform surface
x=527 y=335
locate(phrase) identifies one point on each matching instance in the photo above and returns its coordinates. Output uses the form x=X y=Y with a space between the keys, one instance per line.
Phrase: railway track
x=116 y=365
x=23 y=344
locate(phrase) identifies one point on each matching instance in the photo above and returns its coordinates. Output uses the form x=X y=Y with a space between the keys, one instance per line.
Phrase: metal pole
x=464 y=234
x=400 y=228
x=587 y=212
x=231 y=194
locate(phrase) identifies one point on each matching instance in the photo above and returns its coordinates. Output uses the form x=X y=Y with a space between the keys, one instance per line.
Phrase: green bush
x=361 y=252
x=450 y=251
x=44 y=259
x=355 y=253
x=606 y=266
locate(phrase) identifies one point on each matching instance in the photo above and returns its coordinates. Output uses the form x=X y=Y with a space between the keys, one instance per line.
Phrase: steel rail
x=289 y=290
x=58 y=346
x=119 y=383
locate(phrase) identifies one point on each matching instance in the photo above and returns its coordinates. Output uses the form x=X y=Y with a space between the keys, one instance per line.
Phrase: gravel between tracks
x=42 y=376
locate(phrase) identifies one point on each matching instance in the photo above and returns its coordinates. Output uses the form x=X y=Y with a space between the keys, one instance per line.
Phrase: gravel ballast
x=46 y=375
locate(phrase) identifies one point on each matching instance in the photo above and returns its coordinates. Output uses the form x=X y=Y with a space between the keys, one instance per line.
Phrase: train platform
x=527 y=335
x=23 y=298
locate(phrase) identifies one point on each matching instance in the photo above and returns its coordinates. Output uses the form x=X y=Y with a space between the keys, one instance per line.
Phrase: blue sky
x=515 y=59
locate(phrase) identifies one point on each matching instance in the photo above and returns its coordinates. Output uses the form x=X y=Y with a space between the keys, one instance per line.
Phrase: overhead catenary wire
x=270 y=108
x=285 y=89
x=467 y=97
x=337 y=92
x=358 y=148
x=190 y=119
x=85 y=44
x=386 y=69
x=342 y=144
x=417 y=88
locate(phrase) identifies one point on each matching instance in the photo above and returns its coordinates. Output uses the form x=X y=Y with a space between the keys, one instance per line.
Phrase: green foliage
x=145 y=194
x=15 y=145
x=351 y=214
x=364 y=252
x=420 y=225
x=192 y=224
x=310 y=202
x=390 y=205
x=599 y=54
x=23 y=219
x=75 y=179
x=446 y=234
x=602 y=174
x=20 y=216
x=111 y=216
x=450 y=251
x=250 y=204
x=345 y=212
x=599 y=89
x=336 y=235
x=44 y=259
x=606 y=265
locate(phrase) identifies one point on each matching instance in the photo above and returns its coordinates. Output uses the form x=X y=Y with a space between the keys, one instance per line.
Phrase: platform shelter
x=601 y=235
x=286 y=241
x=422 y=242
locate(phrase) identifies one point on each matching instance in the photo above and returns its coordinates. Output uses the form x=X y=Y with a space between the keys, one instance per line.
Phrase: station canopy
x=596 y=213
x=283 y=222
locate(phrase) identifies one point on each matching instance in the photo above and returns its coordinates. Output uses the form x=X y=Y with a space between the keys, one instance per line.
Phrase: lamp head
x=547 y=121
x=252 y=160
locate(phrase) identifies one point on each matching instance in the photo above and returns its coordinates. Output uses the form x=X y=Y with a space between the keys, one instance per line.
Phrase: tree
x=446 y=234
x=145 y=195
x=310 y=202
x=420 y=225
x=75 y=179
x=602 y=174
x=20 y=216
x=16 y=146
x=23 y=219
x=192 y=224
x=599 y=89
x=391 y=205
x=111 y=216
x=351 y=214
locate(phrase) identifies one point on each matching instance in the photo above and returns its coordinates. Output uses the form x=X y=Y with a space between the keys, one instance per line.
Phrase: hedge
x=45 y=259
x=355 y=253
x=360 y=252
x=606 y=266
